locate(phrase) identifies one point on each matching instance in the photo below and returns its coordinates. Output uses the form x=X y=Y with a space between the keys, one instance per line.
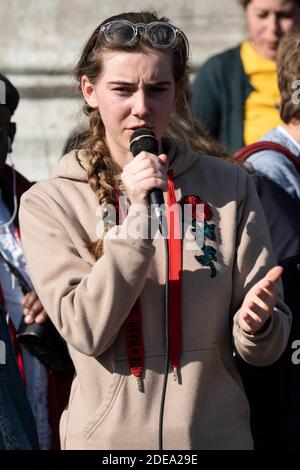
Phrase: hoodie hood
x=74 y=165
x=180 y=157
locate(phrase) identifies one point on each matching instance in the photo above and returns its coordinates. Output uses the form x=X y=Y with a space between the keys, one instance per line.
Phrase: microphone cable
x=166 y=341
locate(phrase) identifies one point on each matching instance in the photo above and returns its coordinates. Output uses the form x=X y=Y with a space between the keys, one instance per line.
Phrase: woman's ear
x=88 y=91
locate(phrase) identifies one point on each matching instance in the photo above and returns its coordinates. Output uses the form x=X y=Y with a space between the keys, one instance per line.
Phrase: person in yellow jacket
x=235 y=93
x=103 y=279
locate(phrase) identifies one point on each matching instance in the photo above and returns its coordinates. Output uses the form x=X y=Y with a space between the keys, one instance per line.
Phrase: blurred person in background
x=273 y=164
x=235 y=93
x=275 y=404
x=17 y=305
x=17 y=427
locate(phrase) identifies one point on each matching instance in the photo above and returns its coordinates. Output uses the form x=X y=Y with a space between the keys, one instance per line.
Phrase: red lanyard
x=175 y=274
x=134 y=327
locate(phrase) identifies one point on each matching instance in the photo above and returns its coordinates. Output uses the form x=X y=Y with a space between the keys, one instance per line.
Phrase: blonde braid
x=103 y=175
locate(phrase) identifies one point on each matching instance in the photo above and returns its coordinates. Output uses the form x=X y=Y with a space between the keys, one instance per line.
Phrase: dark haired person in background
x=17 y=426
x=47 y=389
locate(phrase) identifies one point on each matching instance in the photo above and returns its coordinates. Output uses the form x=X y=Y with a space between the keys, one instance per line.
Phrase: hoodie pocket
x=234 y=389
x=108 y=402
x=207 y=409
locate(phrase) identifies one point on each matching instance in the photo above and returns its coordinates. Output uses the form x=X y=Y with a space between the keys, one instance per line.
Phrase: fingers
x=146 y=160
x=274 y=274
x=149 y=172
x=254 y=318
x=271 y=277
x=259 y=303
x=41 y=317
x=33 y=310
x=29 y=299
x=149 y=182
x=143 y=174
x=141 y=188
x=264 y=299
x=260 y=308
x=163 y=158
x=137 y=166
x=250 y=323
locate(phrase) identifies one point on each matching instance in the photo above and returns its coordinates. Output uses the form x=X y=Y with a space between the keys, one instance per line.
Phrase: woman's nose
x=140 y=105
x=274 y=25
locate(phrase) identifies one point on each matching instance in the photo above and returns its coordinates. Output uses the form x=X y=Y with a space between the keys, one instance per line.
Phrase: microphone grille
x=143 y=139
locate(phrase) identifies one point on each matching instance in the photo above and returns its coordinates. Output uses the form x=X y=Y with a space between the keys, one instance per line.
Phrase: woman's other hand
x=259 y=302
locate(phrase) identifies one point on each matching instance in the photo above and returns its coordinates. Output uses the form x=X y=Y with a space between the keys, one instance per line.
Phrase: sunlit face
x=268 y=21
x=136 y=89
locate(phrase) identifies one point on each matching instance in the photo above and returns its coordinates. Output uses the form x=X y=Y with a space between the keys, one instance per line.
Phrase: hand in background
x=32 y=309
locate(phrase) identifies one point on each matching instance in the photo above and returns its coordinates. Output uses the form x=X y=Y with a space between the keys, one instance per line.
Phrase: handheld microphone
x=144 y=139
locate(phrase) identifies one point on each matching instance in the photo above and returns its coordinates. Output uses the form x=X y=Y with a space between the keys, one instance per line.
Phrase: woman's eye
x=263 y=15
x=282 y=15
x=157 y=89
x=122 y=89
x=286 y=15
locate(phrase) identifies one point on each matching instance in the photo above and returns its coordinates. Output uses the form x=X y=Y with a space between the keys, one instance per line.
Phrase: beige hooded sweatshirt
x=89 y=301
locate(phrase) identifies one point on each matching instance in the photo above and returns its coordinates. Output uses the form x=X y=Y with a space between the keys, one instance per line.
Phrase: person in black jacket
x=47 y=388
x=17 y=426
x=273 y=391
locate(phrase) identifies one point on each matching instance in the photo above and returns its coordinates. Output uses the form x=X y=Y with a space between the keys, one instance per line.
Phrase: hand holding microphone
x=145 y=177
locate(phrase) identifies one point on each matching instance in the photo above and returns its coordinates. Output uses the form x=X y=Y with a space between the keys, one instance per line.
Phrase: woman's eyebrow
x=124 y=82
x=121 y=82
x=160 y=83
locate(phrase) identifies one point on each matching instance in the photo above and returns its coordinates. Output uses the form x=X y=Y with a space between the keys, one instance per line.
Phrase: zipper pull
x=140 y=384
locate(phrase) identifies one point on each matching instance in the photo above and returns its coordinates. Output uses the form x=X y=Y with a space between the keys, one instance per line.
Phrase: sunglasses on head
x=159 y=33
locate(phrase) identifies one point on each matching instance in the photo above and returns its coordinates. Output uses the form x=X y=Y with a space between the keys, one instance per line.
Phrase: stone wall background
x=40 y=40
